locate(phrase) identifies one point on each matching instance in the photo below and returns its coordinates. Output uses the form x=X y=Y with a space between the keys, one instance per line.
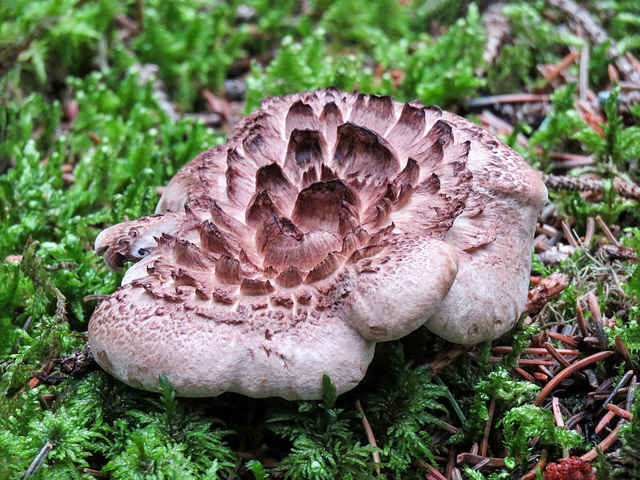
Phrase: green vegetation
x=87 y=137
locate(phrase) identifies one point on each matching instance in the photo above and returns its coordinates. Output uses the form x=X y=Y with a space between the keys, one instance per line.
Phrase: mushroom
x=327 y=222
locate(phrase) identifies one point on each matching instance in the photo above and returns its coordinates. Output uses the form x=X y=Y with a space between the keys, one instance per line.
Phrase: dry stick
x=606 y=231
x=626 y=189
x=617 y=388
x=604 y=421
x=631 y=392
x=566 y=339
x=560 y=359
x=556 y=355
x=525 y=374
x=38 y=461
x=526 y=361
x=591 y=377
x=508 y=98
x=623 y=351
x=553 y=383
x=630 y=396
x=96 y=473
x=603 y=395
x=564 y=63
x=591 y=230
x=596 y=314
x=557 y=415
x=94 y=296
x=568 y=235
x=604 y=445
x=584 y=72
x=370 y=437
x=496 y=29
x=481 y=464
x=534 y=350
x=471 y=459
x=433 y=472
x=451 y=462
x=582 y=325
x=546 y=371
x=619 y=411
x=565 y=182
x=484 y=444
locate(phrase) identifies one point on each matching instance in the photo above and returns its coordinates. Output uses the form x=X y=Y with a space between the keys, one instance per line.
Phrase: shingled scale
x=328 y=222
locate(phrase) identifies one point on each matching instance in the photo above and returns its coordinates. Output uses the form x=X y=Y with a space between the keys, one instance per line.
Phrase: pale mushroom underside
x=329 y=221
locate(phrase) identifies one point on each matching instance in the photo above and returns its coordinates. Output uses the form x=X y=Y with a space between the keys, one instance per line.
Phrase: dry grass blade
x=557 y=415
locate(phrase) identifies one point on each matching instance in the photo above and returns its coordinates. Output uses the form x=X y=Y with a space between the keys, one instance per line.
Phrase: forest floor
x=102 y=102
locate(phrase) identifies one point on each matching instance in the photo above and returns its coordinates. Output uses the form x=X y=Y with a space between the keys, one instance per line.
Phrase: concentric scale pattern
x=328 y=221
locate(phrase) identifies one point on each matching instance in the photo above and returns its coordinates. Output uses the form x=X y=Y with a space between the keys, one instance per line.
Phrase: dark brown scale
x=182 y=277
x=255 y=287
x=410 y=173
x=318 y=206
x=271 y=179
x=229 y=271
x=289 y=278
x=260 y=208
x=325 y=268
x=300 y=116
x=366 y=252
x=240 y=182
x=305 y=152
x=212 y=239
x=409 y=126
x=191 y=256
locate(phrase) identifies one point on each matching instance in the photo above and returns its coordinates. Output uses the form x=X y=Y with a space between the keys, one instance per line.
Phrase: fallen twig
x=581 y=184
x=38 y=461
x=585 y=25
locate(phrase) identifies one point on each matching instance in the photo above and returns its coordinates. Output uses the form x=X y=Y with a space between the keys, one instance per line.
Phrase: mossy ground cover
x=101 y=102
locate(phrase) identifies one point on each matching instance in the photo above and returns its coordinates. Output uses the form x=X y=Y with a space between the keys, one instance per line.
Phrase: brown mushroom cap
x=329 y=221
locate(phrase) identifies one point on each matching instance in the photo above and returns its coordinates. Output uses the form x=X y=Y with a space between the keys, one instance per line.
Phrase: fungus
x=329 y=221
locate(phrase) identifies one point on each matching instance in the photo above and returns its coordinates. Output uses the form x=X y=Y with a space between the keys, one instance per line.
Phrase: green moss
x=122 y=145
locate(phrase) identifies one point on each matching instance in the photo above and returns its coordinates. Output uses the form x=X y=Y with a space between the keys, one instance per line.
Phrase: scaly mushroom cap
x=329 y=221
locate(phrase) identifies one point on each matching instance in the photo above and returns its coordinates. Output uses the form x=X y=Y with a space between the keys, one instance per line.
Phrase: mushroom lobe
x=329 y=221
